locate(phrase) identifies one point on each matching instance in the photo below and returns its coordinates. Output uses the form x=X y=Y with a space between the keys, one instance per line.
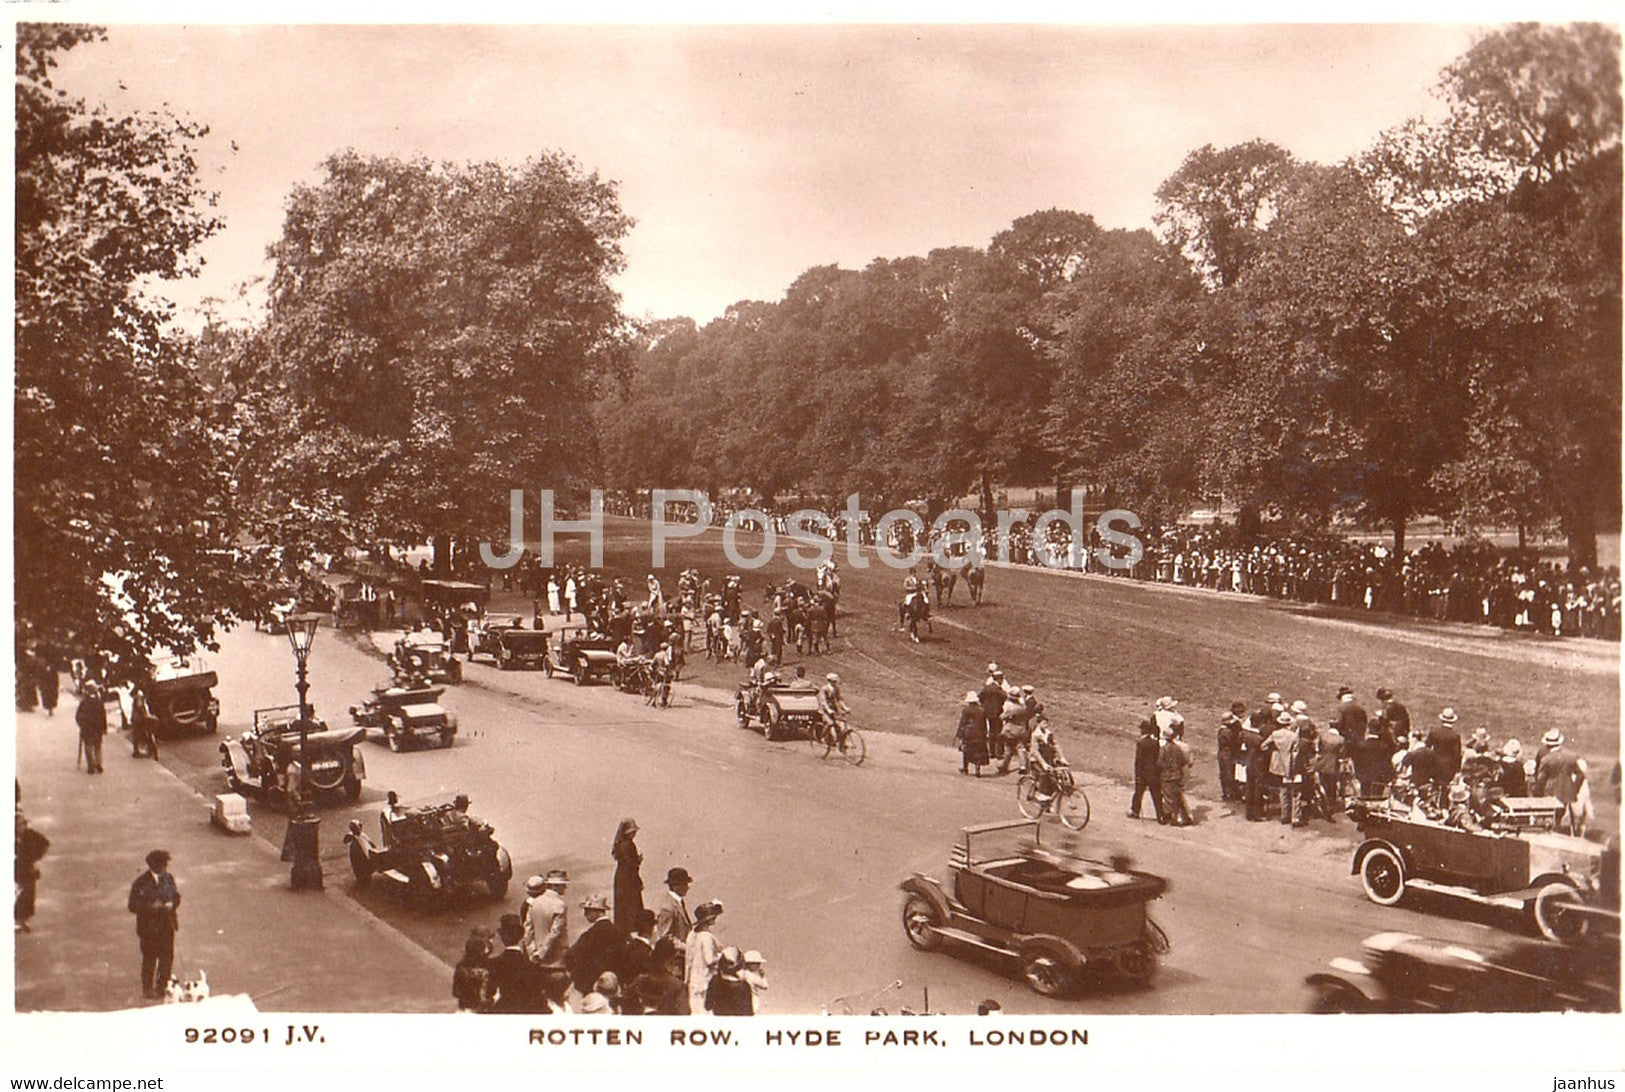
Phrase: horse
x=975 y=578
x=914 y=609
x=945 y=595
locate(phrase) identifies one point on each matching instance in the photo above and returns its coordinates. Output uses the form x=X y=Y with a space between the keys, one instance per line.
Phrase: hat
x=1300 y=707
x=595 y=902
x=1027 y=690
x=1277 y=707
x=1448 y=716
x=993 y=669
x=1459 y=793
x=707 y=911
x=971 y=698
x=1480 y=739
x=1345 y=692
x=996 y=673
x=534 y=885
x=832 y=677
x=1166 y=703
x=1238 y=707
x=1384 y=694
x=157 y=859
x=753 y=956
x=1512 y=748
x=556 y=875
x=1285 y=718
x=1273 y=698
x=1553 y=738
x=677 y=875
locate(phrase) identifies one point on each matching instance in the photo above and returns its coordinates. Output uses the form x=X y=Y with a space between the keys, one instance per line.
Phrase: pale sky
x=747 y=155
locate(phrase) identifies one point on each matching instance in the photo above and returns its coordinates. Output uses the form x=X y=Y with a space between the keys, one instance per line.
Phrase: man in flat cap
x=154 y=900
x=547 y=926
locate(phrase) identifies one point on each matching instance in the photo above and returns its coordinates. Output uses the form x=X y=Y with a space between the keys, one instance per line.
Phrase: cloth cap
x=1384 y=694
x=1554 y=738
x=535 y=885
x=595 y=902
x=1165 y=703
x=1027 y=690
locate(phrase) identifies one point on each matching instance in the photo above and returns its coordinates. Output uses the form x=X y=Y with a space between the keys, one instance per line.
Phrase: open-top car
x=483 y=631
x=778 y=710
x=430 y=853
x=1516 y=860
x=422 y=654
x=410 y=716
x=1400 y=972
x=266 y=759
x=181 y=695
x=1059 y=915
x=515 y=647
x=582 y=655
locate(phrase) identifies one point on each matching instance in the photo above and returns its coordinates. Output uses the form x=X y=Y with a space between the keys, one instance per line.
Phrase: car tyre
x=921 y=919
x=1549 y=908
x=1382 y=874
x=1339 y=997
x=393 y=739
x=1137 y=962
x=773 y=726
x=1046 y=971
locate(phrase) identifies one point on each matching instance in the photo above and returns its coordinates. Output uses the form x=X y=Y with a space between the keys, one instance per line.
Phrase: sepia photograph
x=937 y=536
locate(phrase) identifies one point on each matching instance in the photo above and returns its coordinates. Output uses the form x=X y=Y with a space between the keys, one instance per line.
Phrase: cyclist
x=1044 y=757
x=660 y=672
x=831 y=709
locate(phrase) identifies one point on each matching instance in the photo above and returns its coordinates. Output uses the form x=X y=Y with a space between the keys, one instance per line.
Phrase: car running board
x=965 y=936
x=1511 y=901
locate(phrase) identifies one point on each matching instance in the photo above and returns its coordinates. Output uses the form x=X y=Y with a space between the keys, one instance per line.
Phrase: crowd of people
x=627 y=958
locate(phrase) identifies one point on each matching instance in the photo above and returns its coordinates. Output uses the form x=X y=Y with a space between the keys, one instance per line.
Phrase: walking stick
x=80 y=754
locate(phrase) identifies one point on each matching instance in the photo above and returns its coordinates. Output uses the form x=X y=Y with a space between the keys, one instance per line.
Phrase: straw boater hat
x=1285 y=719
x=1512 y=749
x=1554 y=738
x=1448 y=717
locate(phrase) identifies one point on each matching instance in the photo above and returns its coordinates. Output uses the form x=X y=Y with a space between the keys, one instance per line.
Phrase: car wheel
x=581 y=676
x=921 y=918
x=1046 y=972
x=1339 y=997
x=1554 y=912
x=447 y=739
x=1383 y=875
x=420 y=892
x=1136 y=962
x=773 y=726
x=393 y=739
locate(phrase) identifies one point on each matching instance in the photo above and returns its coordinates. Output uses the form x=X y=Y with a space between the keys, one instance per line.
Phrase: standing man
x=1253 y=734
x=1352 y=719
x=673 y=919
x=599 y=947
x=993 y=695
x=1562 y=773
x=1172 y=760
x=154 y=900
x=547 y=926
x=1281 y=745
x=1229 y=744
x=1393 y=719
x=1147 y=771
x=91 y=717
x=1445 y=741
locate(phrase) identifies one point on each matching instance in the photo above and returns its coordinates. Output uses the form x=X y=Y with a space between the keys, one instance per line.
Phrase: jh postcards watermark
x=953 y=538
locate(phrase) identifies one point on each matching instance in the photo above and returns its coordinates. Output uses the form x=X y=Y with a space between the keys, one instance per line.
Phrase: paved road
x=806 y=855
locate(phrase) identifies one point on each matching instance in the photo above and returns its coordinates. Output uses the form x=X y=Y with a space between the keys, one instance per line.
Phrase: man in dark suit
x=598 y=948
x=1393 y=720
x=1147 y=770
x=154 y=900
x=993 y=695
x=673 y=919
x=514 y=983
x=1352 y=719
x=637 y=956
x=1445 y=741
x=91 y=717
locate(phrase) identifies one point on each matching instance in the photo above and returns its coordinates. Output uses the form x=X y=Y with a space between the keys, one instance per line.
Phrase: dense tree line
x=1431 y=327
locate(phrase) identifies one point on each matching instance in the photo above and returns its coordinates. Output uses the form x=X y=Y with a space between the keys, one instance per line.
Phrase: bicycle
x=1069 y=803
x=842 y=738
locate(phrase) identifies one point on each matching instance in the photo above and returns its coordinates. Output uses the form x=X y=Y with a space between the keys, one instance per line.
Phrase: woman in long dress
x=553 y=604
x=628 y=882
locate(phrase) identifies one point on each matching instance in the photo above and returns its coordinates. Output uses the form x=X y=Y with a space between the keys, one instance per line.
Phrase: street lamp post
x=300 y=844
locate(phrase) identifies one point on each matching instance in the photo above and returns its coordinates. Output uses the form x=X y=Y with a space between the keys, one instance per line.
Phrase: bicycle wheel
x=1031 y=808
x=817 y=740
x=1073 y=809
x=852 y=747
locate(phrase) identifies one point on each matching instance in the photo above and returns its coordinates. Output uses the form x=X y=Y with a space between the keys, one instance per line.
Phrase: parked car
x=181 y=696
x=1517 y=860
x=482 y=633
x=517 y=647
x=266 y=758
x=410 y=716
x=1059 y=916
x=423 y=654
x=778 y=710
x=581 y=655
x=431 y=852
x=1401 y=972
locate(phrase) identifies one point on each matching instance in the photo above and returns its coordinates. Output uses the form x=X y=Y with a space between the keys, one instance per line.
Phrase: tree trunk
x=988 y=516
x=1580 y=527
x=442 y=554
x=1523 y=536
x=1248 y=521
x=1399 y=535
x=1063 y=494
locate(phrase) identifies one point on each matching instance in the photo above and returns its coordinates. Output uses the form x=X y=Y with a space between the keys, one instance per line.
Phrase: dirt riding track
x=1101 y=650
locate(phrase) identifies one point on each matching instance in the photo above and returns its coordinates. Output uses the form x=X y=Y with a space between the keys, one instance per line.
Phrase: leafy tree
x=121 y=452
x=441 y=331
x=1216 y=207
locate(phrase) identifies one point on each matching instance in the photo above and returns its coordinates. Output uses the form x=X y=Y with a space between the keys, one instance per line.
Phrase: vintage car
x=181 y=696
x=581 y=655
x=1058 y=915
x=1400 y=972
x=410 y=716
x=430 y=853
x=424 y=654
x=1517 y=860
x=482 y=632
x=780 y=710
x=266 y=758
x=514 y=646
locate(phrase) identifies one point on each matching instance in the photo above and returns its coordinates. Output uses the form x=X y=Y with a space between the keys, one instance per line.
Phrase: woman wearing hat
x=971 y=735
x=1512 y=778
x=628 y=881
x=703 y=955
x=728 y=994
